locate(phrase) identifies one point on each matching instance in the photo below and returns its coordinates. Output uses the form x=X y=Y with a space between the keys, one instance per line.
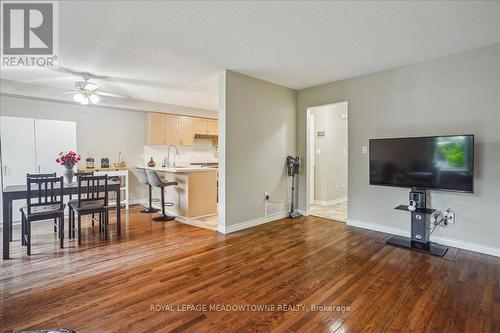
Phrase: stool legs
x=150 y=209
x=163 y=217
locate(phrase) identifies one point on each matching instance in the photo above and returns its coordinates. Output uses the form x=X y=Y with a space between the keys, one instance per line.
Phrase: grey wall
x=330 y=178
x=454 y=94
x=259 y=124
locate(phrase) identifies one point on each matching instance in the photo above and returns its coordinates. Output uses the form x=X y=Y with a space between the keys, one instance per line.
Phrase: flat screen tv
x=434 y=162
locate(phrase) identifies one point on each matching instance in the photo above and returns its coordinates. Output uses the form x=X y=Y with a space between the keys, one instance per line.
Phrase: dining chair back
x=44 y=200
x=92 y=199
x=92 y=188
x=41 y=175
x=43 y=192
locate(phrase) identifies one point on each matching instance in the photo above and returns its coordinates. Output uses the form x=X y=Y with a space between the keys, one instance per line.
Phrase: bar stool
x=141 y=176
x=155 y=181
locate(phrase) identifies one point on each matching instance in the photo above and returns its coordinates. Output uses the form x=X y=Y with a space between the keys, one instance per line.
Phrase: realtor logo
x=29 y=33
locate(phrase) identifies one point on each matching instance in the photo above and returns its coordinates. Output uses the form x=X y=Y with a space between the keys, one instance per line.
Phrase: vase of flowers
x=68 y=160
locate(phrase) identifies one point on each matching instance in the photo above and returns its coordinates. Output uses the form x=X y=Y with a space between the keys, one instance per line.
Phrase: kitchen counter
x=195 y=194
x=180 y=169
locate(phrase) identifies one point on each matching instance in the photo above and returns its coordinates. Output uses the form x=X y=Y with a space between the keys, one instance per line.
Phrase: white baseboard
x=303 y=212
x=465 y=245
x=471 y=246
x=251 y=223
x=329 y=202
x=378 y=227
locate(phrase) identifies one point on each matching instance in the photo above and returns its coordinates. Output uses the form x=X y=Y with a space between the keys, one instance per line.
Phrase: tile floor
x=337 y=212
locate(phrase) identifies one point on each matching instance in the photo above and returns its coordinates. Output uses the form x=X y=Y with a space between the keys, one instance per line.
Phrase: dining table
x=19 y=192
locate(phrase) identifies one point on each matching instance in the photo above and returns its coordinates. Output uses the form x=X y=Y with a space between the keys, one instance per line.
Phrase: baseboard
x=460 y=244
x=330 y=202
x=303 y=212
x=251 y=223
x=470 y=246
x=378 y=227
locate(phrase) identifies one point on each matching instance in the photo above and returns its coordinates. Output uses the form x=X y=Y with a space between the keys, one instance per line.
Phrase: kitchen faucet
x=168 y=156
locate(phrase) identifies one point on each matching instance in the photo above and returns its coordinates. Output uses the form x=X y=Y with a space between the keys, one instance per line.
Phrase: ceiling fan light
x=78 y=97
x=94 y=98
x=85 y=100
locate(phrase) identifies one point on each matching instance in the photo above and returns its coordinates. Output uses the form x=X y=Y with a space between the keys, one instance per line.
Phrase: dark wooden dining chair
x=80 y=174
x=92 y=199
x=43 y=175
x=44 y=201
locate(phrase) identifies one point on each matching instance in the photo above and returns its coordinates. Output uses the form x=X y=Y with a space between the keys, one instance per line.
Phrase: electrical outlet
x=266 y=196
x=450 y=216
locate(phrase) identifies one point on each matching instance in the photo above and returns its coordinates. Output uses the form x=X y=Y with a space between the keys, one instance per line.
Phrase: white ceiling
x=171 y=52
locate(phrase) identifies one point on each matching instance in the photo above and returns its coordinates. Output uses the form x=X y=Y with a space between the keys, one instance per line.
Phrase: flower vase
x=68 y=174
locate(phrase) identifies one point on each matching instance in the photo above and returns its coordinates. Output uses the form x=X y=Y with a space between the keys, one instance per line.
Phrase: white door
x=18 y=153
x=53 y=137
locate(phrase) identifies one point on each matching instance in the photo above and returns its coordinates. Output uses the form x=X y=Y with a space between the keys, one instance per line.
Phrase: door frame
x=308 y=160
x=311 y=154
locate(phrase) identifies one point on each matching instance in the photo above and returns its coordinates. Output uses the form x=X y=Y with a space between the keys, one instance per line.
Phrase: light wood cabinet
x=212 y=126
x=173 y=126
x=200 y=126
x=187 y=131
x=163 y=129
x=156 y=130
x=206 y=126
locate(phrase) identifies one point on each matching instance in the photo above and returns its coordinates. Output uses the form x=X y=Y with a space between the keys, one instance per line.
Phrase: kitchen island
x=196 y=192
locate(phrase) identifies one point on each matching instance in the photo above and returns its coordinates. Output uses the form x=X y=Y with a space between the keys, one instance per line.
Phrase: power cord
x=438 y=223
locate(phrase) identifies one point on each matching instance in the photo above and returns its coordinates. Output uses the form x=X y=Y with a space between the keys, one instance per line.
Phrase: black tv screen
x=437 y=162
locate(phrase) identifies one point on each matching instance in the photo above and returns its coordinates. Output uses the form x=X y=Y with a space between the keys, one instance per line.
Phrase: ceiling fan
x=86 y=91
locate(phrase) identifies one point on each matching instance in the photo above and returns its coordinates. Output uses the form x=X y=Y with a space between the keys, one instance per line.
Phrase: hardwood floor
x=110 y=286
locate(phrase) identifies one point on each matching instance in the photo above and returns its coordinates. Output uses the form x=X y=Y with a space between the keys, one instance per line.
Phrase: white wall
x=258 y=118
x=105 y=132
x=331 y=163
x=453 y=94
x=202 y=151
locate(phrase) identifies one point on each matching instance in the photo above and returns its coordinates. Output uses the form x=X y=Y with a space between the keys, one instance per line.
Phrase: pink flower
x=69 y=158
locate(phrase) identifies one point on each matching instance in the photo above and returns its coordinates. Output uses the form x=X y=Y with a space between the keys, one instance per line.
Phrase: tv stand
x=420 y=230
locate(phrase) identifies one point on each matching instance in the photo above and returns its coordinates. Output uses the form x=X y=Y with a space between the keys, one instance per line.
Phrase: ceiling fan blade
x=68 y=90
x=82 y=74
x=108 y=94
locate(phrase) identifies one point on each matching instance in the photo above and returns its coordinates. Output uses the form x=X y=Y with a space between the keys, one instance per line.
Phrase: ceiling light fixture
x=78 y=97
x=94 y=98
x=84 y=98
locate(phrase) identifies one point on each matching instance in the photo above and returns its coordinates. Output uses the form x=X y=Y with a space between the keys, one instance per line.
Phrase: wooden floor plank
x=110 y=285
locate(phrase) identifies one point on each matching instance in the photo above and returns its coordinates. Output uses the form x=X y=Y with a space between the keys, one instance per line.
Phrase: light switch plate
x=365 y=150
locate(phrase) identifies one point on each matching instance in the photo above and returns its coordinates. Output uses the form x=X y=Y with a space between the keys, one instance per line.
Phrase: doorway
x=327 y=135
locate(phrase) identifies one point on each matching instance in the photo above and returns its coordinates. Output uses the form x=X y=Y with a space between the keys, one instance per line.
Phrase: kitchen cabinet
x=165 y=129
x=173 y=126
x=187 y=131
x=156 y=128
x=194 y=195
x=180 y=130
x=206 y=126
x=212 y=126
